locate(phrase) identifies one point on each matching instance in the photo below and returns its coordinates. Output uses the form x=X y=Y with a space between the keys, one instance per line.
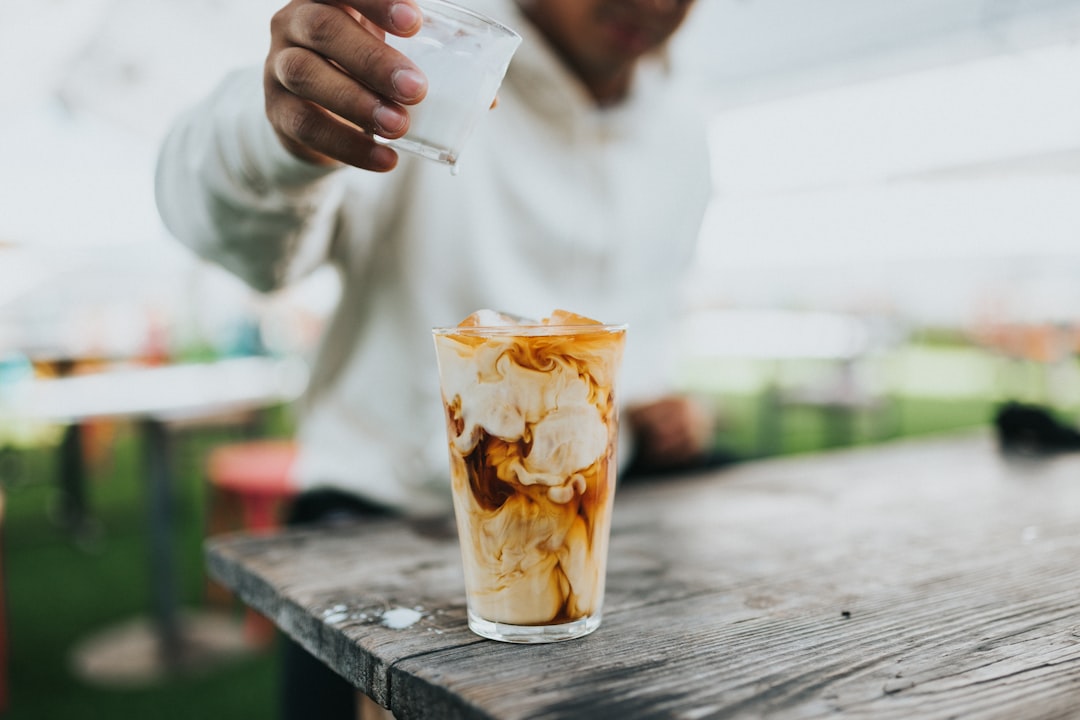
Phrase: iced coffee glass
x=464 y=56
x=532 y=424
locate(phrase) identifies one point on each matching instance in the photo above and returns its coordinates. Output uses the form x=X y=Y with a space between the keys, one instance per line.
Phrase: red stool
x=256 y=479
x=259 y=473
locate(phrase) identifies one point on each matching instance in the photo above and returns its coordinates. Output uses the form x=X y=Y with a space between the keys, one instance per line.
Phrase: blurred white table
x=153 y=397
x=776 y=334
x=166 y=393
x=843 y=341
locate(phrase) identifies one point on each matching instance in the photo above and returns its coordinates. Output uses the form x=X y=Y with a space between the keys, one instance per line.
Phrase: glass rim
x=469 y=13
x=529 y=330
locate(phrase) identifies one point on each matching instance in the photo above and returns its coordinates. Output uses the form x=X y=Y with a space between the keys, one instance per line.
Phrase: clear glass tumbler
x=464 y=55
x=532 y=425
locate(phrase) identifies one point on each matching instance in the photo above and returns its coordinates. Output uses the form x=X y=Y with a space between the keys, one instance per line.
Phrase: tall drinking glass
x=532 y=424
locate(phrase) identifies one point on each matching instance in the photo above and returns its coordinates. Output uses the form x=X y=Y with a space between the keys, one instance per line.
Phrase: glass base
x=423 y=149
x=532 y=634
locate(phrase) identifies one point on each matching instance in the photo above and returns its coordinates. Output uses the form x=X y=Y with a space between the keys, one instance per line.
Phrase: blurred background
x=893 y=250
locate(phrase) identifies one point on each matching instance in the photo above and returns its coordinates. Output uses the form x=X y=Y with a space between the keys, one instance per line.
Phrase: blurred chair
x=249 y=484
x=843 y=397
x=845 y=345
x=851 y=396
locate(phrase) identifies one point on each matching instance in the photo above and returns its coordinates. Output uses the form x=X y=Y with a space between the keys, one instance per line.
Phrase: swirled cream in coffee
x=532 y=425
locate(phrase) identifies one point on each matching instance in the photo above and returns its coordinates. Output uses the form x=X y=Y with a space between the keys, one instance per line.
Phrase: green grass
x=803 y=430
x=59 y=593
x=923 y=388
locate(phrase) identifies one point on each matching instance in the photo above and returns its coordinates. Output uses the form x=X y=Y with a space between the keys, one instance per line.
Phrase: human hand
x=671 y=432
x=331 y=81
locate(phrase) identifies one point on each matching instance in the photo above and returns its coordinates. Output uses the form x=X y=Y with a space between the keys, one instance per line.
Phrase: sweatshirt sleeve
x=228 y=189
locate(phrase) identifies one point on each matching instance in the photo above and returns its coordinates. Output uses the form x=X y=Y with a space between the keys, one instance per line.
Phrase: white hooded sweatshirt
x=558 y=204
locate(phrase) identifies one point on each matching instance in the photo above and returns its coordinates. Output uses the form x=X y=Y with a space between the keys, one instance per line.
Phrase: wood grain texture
x=919 y=579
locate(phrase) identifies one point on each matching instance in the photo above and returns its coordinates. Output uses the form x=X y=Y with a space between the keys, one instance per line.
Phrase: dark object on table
x=1033 y=430
x=713 y=460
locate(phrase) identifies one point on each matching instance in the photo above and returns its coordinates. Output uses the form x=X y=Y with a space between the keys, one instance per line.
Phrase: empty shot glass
x=464 y=56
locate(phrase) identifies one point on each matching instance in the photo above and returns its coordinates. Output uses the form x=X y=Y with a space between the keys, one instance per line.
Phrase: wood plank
x=331 y=590
x=961 y=645
x=916 y=579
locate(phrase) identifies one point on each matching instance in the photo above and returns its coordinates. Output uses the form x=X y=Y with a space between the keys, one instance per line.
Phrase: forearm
x=228 y=189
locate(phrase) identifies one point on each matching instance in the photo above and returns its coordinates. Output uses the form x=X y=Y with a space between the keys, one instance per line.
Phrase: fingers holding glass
x=331 y=83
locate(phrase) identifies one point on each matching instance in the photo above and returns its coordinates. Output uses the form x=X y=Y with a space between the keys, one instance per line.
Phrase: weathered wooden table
x=927 y=579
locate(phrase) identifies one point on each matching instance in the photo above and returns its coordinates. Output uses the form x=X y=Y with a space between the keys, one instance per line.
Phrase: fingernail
x=408 y=83
x=389 y=119
x=404 y=17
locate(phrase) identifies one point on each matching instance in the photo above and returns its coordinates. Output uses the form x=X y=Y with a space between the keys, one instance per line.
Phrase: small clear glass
x=464 y=55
